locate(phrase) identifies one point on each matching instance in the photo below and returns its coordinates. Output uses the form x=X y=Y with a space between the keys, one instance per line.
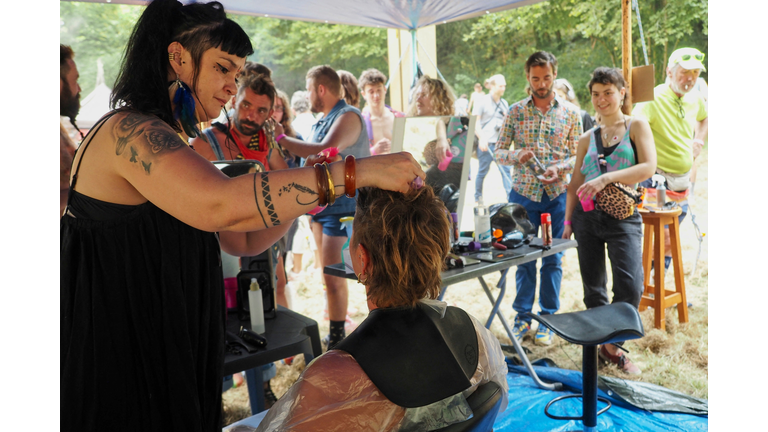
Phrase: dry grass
x=677 y=358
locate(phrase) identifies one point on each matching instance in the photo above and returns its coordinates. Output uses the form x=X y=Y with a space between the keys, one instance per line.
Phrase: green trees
x=583 y=34
x=97 y=30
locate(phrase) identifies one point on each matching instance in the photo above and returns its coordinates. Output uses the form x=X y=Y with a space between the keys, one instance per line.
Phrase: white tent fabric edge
x=395 y=14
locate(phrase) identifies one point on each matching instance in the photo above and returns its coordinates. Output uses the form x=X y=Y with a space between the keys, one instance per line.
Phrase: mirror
x=235 y=168
x=419 y=136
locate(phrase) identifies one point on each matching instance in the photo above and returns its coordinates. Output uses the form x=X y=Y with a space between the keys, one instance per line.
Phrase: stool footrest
x=557 y=399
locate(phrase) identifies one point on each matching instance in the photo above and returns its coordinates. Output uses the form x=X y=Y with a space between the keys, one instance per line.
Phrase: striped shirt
x=553 y=137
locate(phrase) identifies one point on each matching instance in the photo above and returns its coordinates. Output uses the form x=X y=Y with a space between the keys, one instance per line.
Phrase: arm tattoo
x=256 y=198
x=161 y=139
x=301 y=188
x=126 y=130
x=132 y=127
x=268 y=199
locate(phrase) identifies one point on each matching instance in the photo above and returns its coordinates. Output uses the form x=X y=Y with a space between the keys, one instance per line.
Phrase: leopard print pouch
x=617 y=199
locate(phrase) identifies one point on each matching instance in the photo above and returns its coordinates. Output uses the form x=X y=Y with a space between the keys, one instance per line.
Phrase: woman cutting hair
x=629 y=157
x=142 y=311
x=401 y=355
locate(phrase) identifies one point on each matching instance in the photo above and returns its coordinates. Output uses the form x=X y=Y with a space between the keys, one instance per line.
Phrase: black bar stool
x=617 y=322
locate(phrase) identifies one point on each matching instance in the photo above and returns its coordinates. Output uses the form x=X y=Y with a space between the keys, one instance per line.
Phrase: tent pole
x=414 y=55
x=626 y=42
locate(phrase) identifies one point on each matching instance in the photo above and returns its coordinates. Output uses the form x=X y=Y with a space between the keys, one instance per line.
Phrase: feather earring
x=184 y=108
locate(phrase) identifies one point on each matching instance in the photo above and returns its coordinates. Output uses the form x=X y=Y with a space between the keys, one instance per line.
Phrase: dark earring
x=184 y=110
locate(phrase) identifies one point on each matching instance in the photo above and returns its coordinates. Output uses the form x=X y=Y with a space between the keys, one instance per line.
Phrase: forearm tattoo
x=158 y=138
x=268 y=200
x=300 y=198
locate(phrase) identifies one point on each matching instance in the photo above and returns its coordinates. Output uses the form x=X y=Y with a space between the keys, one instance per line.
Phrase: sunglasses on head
x=686 y=57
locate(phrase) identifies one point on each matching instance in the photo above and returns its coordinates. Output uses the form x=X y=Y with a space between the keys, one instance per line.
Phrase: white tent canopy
x=396 y=14
x=96 y=104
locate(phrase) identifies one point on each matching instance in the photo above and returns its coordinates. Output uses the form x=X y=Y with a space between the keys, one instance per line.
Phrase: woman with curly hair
x=433 y=97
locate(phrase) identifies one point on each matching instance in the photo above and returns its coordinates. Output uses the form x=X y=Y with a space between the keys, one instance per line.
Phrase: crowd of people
x=146 y=219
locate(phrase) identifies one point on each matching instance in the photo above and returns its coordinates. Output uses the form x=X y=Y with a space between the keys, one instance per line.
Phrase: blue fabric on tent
x=527 y=401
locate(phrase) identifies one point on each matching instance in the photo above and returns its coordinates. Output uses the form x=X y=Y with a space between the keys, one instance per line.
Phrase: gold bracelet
x=331 y=191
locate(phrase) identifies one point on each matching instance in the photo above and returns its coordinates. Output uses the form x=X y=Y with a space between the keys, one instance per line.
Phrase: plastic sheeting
x=525 y=411
x=398 y=14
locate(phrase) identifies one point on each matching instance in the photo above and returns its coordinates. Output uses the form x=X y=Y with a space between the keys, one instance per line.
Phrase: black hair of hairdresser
x=142 y=83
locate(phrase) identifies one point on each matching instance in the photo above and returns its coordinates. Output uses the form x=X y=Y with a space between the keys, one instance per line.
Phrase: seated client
x=414 y=360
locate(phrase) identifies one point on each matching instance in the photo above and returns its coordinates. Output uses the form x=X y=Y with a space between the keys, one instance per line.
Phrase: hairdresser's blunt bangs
x=232 y=39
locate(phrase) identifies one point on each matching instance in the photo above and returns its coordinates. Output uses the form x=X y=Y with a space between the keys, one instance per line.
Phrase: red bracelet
x=279 y=137
x=566 y=222
x=349 y=176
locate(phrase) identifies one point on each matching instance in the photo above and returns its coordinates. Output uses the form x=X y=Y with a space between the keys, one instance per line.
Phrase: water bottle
x=482 y=225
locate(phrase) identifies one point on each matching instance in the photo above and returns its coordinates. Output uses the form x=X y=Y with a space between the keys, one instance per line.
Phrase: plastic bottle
x=546 y=229
x=256 y=306
x=661 y=190
x=482 y=224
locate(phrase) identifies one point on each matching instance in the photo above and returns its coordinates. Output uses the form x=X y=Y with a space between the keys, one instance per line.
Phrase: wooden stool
x=662 y=298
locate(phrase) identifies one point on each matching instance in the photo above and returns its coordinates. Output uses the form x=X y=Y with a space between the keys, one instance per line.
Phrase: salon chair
x=617 y=322
x=485 y=403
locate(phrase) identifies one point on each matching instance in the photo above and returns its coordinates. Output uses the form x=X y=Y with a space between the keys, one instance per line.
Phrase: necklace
x=615 y=137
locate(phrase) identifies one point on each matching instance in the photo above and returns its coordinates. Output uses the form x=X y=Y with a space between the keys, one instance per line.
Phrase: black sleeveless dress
x=142 y=320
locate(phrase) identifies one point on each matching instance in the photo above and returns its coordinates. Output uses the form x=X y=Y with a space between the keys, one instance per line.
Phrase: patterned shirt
x=553 y=137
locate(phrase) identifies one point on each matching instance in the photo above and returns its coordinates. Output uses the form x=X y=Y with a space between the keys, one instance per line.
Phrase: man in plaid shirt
x=547 y=127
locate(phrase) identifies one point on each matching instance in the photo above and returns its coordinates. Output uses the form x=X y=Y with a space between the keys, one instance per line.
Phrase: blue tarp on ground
x=527 y=401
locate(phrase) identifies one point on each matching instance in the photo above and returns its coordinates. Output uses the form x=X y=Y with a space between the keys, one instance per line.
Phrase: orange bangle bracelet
x=322 y=184
x=349 y=176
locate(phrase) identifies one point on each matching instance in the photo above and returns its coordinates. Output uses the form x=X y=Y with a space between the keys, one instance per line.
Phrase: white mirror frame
x=398 y=142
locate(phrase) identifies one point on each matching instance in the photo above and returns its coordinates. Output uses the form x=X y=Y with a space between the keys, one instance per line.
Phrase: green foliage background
x=581 y=34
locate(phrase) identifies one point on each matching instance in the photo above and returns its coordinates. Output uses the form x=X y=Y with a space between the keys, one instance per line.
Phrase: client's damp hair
x=407 y=238
x=142 y=83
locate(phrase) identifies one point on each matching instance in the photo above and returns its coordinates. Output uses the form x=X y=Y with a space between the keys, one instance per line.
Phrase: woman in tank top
x=630 y=157
x=142 y=300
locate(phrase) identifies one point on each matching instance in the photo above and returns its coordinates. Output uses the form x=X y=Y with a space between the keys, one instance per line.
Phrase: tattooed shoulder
x=158 y=135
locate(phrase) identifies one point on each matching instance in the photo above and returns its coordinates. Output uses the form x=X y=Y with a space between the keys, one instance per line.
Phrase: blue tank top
x=359 y=149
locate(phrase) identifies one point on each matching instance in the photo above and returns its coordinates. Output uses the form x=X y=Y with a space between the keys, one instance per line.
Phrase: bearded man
x=69 y=106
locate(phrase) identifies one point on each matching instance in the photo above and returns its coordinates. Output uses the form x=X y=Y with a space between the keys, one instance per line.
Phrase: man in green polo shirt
x=678 y=119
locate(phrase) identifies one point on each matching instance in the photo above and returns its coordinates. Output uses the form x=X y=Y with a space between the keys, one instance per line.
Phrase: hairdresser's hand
x=384 y=146
x=320 y=158
x=550 y=175
x=395 y=171
x=589 y=189
x=524 y=155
